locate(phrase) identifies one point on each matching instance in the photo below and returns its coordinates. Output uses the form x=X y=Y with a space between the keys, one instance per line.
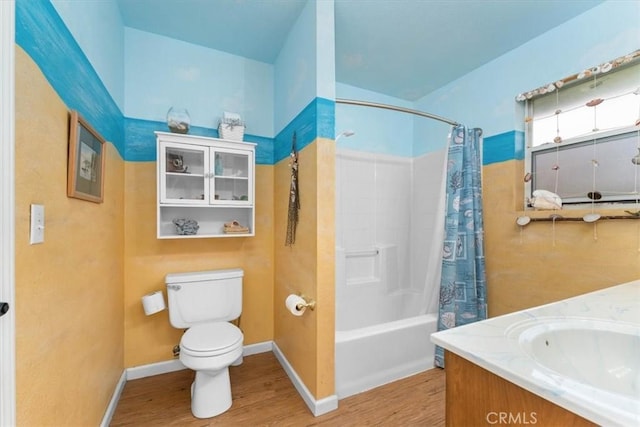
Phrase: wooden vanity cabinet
x=476 y=397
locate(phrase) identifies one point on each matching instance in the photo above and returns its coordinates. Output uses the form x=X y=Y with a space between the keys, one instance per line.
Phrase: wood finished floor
x=263 y=395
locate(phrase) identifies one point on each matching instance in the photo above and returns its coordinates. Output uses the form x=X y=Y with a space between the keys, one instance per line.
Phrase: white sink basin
x=597 y=353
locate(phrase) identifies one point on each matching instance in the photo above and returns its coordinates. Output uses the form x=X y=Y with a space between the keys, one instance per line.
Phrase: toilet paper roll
x=292 y=302
x=153 y=303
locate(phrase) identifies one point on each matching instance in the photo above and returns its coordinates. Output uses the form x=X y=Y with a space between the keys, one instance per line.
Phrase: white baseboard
x=261 y=347
x=167 y=366
x=113 y=403
x=143 y=371
x=317 y=407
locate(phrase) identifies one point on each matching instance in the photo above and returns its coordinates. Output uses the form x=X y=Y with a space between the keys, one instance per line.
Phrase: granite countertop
x=493 y=344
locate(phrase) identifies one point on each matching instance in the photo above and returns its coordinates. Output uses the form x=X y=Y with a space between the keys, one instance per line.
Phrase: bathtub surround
x=388 y=214
x=595 y=374
x=463 y=283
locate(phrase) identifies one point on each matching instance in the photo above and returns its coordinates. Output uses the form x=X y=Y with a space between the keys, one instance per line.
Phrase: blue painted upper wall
x=46 y=39
x=485 y=98
x=162 y=72
x=295 y=69
x=376 y=130
x=98 y=29
x=296 y=94
x=211 y=81
x=325 y=49
x=204 y=81
x=141 y=140
x=304 y=72
x=316 y=120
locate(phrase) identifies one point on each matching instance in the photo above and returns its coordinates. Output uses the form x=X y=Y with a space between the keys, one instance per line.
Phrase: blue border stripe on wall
x=316 y=120
x=503 y=147
x=141 y=140
x=47 y=40
x=264 y=149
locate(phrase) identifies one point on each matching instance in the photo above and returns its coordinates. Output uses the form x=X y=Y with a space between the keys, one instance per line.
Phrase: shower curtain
x=463 y=279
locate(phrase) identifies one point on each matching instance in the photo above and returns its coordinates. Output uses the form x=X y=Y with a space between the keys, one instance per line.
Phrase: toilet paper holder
x=308 y=303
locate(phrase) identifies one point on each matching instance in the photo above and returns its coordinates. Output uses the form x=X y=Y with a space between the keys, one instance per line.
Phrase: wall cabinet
x=207 y=181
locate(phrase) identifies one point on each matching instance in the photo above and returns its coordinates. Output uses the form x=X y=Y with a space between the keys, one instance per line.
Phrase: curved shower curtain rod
x=393 y=107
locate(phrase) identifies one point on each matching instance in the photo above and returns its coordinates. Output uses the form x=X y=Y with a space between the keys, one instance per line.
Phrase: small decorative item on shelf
x=234 y=227
x=186 y=226
x=175 y=163
x=178 y=120
x=231 y=127
x=218 y=165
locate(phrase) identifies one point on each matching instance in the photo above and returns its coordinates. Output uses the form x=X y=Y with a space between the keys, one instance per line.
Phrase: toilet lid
x=211 y=338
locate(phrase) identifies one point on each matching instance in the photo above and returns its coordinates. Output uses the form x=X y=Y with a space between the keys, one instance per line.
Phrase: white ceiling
x=401 y=48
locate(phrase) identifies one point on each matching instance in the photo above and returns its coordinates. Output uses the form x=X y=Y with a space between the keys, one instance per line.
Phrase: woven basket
x=231 y=132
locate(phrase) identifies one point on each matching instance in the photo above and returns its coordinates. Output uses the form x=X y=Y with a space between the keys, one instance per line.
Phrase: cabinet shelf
x=185 y=174
x=220 y=189
x=240 y=178
x=217 y=206
x=211 y=220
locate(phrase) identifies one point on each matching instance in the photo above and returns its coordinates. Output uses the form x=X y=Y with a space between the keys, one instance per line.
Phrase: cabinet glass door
x=184 y=178
x=232 y=177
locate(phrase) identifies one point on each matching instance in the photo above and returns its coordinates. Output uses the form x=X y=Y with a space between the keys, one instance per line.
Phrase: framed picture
x=85 y=171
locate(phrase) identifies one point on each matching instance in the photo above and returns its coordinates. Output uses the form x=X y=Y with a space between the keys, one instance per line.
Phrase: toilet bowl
x=204 y=303
x=209 y=349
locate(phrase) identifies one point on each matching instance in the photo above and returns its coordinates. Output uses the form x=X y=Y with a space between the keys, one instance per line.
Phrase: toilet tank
x=204 y=296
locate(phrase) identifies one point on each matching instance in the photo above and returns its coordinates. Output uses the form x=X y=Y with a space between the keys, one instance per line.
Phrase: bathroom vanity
x=571 y=363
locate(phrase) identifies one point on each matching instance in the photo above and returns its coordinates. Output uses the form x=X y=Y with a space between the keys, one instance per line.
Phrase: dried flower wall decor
x=294 y=196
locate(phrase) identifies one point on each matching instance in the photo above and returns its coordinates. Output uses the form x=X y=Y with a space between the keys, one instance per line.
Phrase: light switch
x=37 y=224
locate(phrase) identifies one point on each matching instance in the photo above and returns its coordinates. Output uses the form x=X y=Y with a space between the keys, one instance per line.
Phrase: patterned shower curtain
x=463 y=282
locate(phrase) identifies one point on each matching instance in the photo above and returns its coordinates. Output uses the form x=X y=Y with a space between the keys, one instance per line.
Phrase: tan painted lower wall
x=69 y=290
x=532 y=267
x=150 y=339
x=307 y=267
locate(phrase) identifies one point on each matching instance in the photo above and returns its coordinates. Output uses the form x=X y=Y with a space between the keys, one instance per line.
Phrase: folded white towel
x=546 y=200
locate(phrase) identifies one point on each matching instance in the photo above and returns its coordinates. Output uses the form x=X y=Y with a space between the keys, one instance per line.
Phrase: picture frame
x=86 y=160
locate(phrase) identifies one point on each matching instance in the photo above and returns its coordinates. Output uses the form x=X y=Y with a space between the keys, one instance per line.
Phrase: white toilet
x=205 y=302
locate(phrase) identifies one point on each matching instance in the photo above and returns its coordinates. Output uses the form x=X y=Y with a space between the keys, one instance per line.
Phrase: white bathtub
x=375 y=355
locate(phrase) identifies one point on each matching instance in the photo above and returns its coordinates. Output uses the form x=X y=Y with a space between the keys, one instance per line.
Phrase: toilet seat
x=211 y=339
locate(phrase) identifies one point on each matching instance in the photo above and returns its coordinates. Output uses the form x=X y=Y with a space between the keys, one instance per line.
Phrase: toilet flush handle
x=174 y=287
